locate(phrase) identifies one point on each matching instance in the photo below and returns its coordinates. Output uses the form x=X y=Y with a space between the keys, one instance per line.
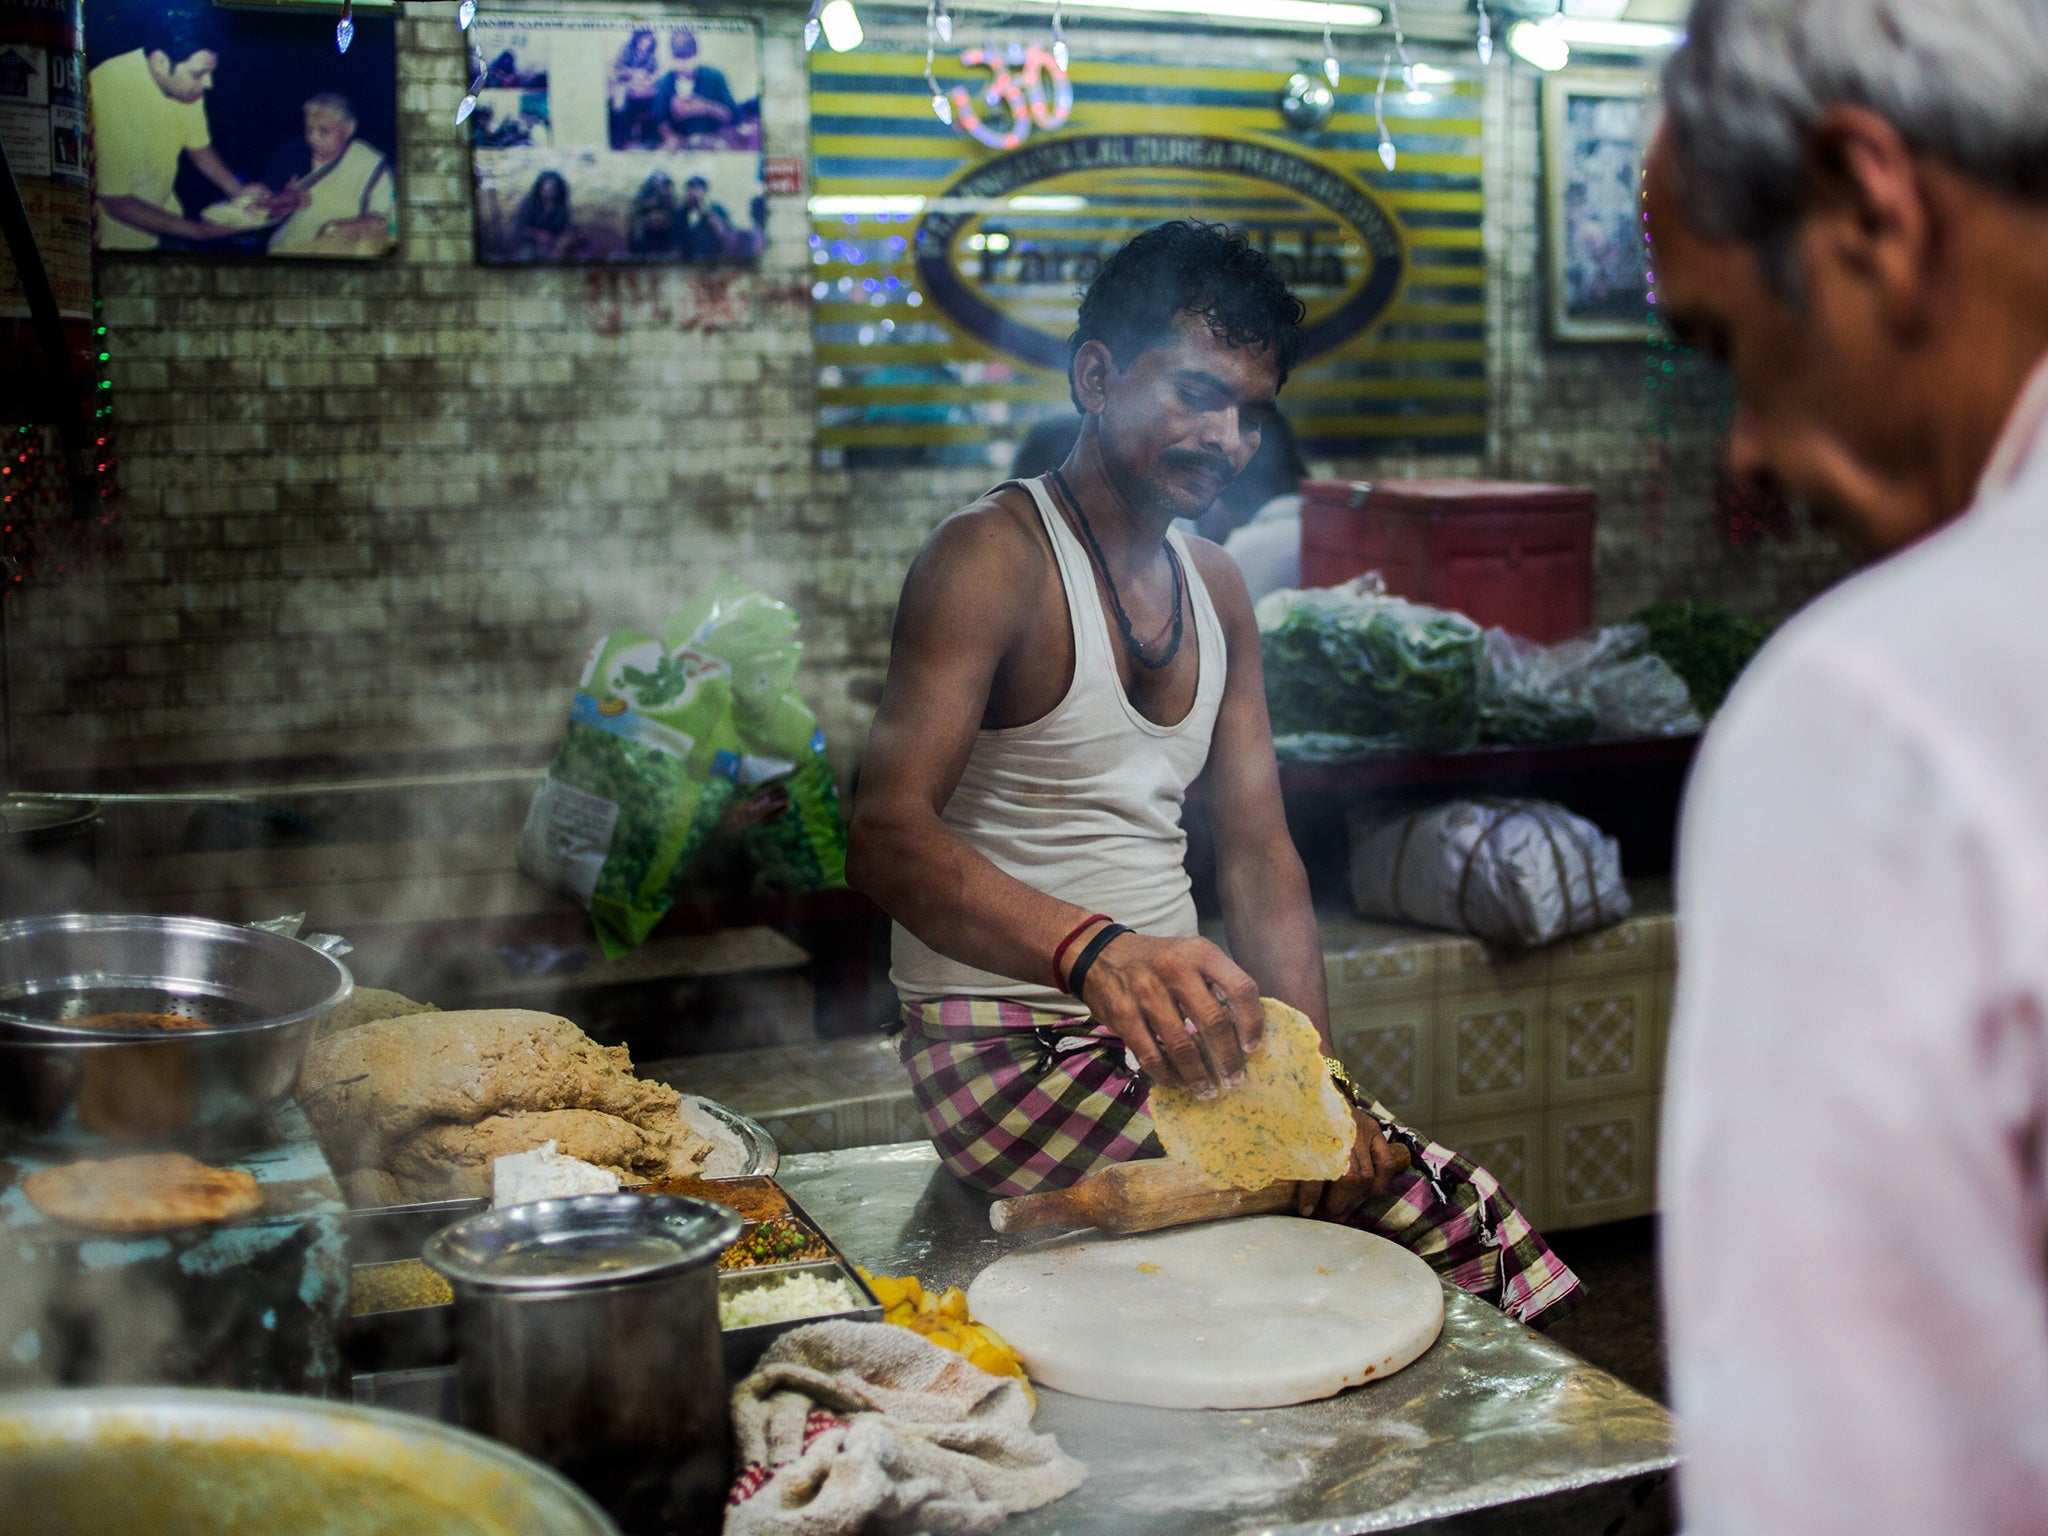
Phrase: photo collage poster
x=232 y=132
x=618 y=139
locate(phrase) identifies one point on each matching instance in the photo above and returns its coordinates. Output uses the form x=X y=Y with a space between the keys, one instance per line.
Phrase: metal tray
x=745 y=1346
x=762 y=1156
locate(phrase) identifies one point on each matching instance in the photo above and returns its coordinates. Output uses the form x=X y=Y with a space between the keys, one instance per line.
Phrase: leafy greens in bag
x=1351 y=661
x=644 y=773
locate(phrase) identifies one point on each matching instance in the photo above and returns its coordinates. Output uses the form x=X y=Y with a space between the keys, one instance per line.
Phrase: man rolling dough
x=1065 y=666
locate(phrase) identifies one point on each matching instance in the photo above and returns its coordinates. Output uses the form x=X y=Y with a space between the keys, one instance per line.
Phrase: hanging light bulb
x=842 y=26
x=476 y=84
x=1485 y=35
x=1330 y=70
x=813 y=28
x=345 y=29
x=942 y=109
x=1059 y=37
x=942 y=23
x=465 y=13
x=1379 y=114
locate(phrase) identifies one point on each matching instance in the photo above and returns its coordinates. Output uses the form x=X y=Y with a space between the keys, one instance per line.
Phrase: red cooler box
x=1519 y=556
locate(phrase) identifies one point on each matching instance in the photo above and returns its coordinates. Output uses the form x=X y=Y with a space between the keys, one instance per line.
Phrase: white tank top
x=1085 y=803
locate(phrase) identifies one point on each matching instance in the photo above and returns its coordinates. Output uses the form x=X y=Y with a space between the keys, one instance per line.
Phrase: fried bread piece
x=153 y=1193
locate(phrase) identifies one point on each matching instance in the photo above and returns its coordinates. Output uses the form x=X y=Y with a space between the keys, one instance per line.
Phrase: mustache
x=1213 y=465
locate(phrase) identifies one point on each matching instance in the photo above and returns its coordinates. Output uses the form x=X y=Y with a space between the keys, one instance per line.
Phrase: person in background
x=1258 y=520
x=704 y=226
x=1045 y=447
x=340 y=192
x=634 y=120
x=148 y=111
x=545 y=229
x=651 y=227
x=1848 y=205
x=692 y=99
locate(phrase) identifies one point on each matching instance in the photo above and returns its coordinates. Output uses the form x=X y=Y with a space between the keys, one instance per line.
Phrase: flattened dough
x=154 y=1193
x=1286 y=1120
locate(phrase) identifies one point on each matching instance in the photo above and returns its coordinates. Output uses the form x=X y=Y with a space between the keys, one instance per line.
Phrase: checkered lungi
x=1019 y=1101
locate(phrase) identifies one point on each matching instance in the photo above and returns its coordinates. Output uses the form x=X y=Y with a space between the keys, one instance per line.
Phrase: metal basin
x=256 y=996
x=190 y=1463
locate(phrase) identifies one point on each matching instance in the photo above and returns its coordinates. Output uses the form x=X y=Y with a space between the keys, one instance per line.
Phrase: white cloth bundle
x=1520 y=872
x=851 y=1427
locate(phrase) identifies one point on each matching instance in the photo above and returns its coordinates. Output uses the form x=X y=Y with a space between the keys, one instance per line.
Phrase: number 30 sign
x=1028 y=89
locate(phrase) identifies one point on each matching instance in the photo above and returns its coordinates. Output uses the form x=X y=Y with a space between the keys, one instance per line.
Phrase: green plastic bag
x=788 y=819
x=645 y=773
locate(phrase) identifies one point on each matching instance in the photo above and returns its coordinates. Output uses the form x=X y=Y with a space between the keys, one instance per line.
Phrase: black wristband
x=1078 y=976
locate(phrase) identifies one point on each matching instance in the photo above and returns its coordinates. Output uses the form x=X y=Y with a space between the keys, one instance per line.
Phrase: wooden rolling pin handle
x=1029 y=1213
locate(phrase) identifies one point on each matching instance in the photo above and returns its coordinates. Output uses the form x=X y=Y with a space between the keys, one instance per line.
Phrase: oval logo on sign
x=1007 y=247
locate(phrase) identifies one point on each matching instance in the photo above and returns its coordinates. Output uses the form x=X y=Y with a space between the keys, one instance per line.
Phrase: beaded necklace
x=1132 y=645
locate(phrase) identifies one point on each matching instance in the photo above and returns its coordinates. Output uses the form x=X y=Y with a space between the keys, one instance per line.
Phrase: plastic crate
x=1509 y=554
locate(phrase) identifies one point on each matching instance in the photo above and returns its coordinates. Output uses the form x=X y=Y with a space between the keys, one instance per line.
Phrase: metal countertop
x=1494 y=1429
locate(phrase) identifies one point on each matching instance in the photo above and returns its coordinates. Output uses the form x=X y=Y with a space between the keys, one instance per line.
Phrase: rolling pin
x=1143 y=1196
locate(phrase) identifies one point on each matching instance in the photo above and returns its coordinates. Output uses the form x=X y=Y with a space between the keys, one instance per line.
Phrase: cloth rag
x=849 y=1427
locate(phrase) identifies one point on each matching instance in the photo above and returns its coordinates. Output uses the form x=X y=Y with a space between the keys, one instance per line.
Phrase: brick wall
x=384 y=509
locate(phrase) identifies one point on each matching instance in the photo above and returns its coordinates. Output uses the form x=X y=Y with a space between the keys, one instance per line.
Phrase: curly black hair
x=1183 y=267
x=179 y=31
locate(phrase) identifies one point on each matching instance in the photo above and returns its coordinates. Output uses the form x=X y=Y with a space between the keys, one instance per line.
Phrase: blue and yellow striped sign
x=946 y=272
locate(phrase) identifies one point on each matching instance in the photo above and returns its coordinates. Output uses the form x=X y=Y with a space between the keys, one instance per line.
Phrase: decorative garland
x=40 y=532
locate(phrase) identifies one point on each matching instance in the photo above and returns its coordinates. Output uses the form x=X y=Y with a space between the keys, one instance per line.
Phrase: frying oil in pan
x=130 y=1010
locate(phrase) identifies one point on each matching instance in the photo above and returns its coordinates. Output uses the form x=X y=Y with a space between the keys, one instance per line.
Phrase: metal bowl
x=190 y=1463
x=256 y=995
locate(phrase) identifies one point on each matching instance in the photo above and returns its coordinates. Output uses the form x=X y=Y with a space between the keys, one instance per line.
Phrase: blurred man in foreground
x=1849 y=205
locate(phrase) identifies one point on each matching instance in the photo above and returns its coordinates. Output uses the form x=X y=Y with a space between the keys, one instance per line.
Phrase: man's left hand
x=1374 y=1163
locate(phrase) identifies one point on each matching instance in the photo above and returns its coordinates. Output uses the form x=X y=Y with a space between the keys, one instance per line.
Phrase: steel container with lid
x=588 y=1335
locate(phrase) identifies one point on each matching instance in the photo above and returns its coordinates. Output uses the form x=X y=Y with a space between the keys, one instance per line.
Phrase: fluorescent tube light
x=1277 y=13
x=842 y=26
x=1049 y=203
x=827 y=207
x=1539 y=43
x=1644 y=36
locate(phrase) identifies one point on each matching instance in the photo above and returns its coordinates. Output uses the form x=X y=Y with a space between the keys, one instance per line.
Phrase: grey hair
x=333 y=101
x=1963 y=80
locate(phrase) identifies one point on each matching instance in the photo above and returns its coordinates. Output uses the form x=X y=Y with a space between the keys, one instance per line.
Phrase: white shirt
x=1856 y=1216
x=1268 y=548
x=1083 y=803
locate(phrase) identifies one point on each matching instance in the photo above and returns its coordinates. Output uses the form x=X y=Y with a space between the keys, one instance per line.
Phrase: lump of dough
x=369 y=1089
x=367 y=1005
x=1286 y=1120
x=449 y=1162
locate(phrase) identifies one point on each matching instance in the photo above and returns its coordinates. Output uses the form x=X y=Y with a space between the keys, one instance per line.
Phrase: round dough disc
x=1253 y=1313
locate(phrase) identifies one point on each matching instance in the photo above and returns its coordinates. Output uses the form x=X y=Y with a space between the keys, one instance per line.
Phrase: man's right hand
x=1182 y=1006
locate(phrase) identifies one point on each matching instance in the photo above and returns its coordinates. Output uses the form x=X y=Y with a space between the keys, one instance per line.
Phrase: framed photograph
x=1596 y=125
x=233 y=132
x=618 y=139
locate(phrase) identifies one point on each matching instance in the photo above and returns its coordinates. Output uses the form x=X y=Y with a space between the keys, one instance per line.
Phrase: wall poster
x=1595 y=129
x=235 y=132
x=947 y=258
x=618 y=139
